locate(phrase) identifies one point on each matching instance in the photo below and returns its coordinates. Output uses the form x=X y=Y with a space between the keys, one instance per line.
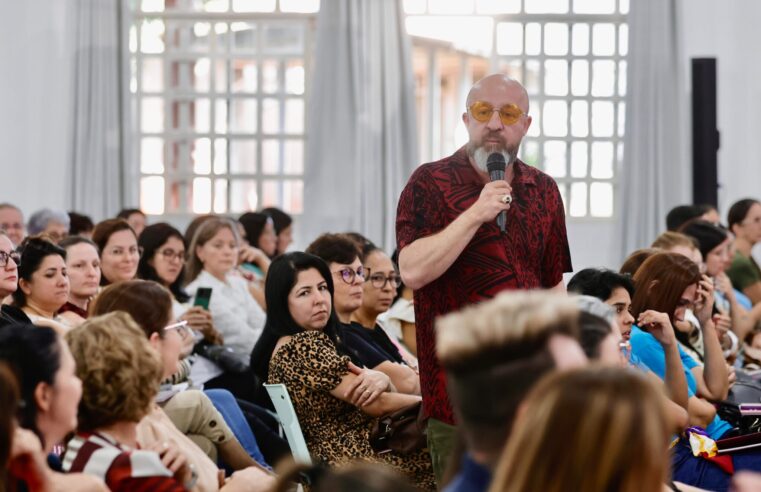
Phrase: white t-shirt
x=236 y=315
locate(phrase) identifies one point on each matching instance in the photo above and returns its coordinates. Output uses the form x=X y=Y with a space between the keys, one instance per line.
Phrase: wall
x=35 y=107
x=729 y=31
x=34 y=104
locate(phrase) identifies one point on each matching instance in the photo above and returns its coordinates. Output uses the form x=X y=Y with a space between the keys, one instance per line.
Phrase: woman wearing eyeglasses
x=9 y=260
x=119 y=252
x=344 y=258
x=380 y=288
x=163 y=261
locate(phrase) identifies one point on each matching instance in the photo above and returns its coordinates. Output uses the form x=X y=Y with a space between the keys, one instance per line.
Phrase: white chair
x=290 y=422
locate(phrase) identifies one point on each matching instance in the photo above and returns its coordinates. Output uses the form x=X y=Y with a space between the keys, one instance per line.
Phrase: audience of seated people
x=300 y=348
x=683 y=314
x=149 y=304
x=119 y=370
x=344 y=258
x=44 y=372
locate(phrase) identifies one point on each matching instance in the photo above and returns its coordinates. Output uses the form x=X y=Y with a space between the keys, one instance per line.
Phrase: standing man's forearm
x=427 y=258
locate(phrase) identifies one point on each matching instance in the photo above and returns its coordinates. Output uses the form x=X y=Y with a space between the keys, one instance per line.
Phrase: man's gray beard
x=481 y=155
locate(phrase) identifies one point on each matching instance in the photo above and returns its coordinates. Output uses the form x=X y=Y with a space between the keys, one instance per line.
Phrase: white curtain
x=656 y=173
x=361 y=130
x=100 y=129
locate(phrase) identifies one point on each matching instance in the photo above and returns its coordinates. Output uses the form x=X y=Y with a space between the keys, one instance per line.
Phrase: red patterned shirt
x=532 y=253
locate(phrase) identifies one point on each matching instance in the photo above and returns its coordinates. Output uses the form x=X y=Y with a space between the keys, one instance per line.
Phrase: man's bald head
x=498 y=85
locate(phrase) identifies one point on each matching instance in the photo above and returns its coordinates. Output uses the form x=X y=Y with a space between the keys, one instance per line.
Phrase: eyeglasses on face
x=169 y=254
x=182 y=328
x=348 y=275
x=509 y=114
x=378 y=280
x=13 y=255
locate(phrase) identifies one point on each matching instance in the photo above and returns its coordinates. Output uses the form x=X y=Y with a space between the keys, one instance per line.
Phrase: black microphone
x=495 y=164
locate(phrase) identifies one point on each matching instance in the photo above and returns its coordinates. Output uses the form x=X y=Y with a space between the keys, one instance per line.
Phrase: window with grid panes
x=219 y=91
x=571 y=57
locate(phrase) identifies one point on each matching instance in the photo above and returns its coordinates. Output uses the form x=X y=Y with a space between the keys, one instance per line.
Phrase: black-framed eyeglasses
x=348 y=275
x=13 y=255
x=169 y=254
x=378 y=280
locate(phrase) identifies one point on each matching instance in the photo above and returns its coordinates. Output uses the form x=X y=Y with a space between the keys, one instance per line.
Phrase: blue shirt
x=650 y=352
x=472 y=477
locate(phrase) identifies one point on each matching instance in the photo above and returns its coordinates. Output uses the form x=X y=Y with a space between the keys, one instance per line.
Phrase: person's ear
x=199 y=253
x=529 y=119
x=155 y=340
x=25 y=286
x=43 y=397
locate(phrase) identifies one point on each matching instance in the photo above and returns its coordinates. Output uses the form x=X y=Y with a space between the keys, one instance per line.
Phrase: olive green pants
x=442 y=439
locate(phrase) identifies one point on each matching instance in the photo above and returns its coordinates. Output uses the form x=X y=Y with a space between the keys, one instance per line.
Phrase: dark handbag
x=402 y=431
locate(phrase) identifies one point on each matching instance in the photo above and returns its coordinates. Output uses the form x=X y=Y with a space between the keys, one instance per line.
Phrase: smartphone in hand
x=203 y=297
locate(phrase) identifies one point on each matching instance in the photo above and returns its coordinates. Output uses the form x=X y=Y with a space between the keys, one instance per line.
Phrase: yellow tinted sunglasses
x=509 y=114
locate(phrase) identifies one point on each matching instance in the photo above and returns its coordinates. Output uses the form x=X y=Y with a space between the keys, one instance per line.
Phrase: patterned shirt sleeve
x=420 y=210
x=557 y=254
x=317 y=362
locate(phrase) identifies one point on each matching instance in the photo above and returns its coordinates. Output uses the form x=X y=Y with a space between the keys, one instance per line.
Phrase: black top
x=11 y=315
x=371 y=347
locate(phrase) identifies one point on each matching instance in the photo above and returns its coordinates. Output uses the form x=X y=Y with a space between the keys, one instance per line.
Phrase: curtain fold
x=100 y=136
x=656 y=173
x=361 y=129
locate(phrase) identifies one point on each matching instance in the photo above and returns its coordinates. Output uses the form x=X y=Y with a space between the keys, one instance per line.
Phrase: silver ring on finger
x=506 y=199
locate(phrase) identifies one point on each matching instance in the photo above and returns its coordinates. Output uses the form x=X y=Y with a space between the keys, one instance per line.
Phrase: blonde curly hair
x=119 y=369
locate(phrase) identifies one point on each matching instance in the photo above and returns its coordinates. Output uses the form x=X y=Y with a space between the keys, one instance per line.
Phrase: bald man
x=452 y=253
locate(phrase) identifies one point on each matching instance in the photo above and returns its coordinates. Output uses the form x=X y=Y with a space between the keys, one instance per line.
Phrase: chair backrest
x=287 y=414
